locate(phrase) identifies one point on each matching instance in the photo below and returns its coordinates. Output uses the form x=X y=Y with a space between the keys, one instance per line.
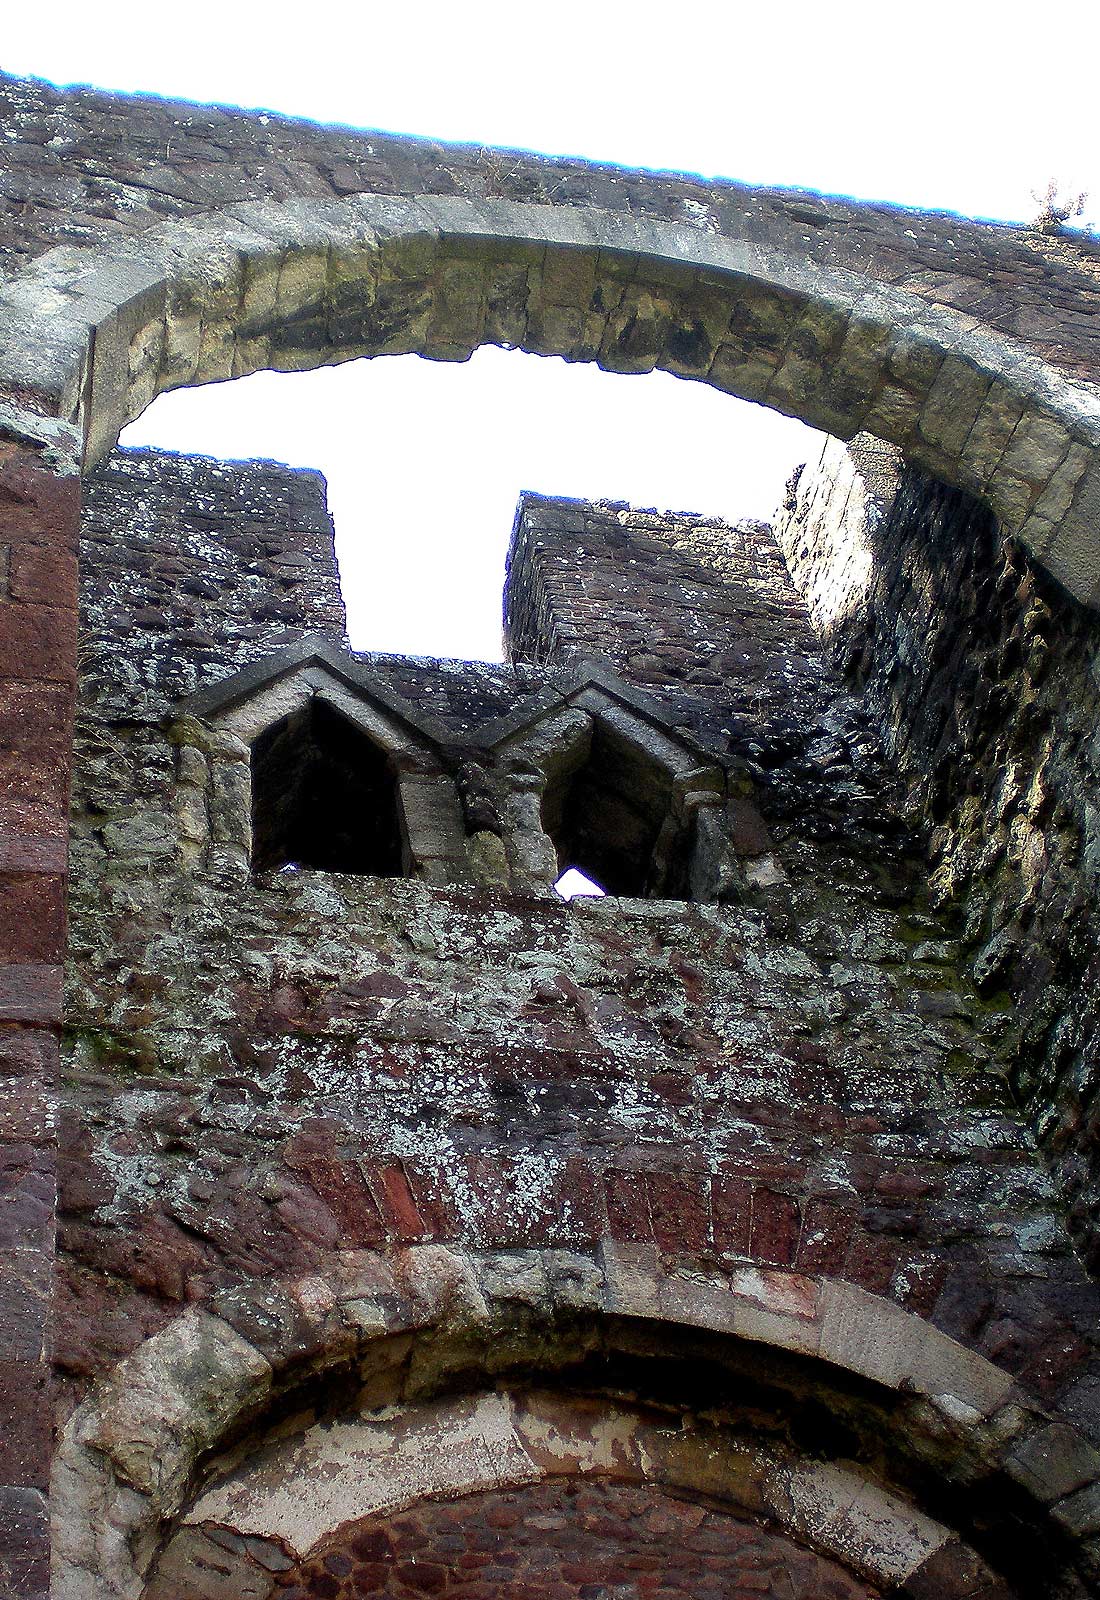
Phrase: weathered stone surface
x=779 y=1051
x=984 y=676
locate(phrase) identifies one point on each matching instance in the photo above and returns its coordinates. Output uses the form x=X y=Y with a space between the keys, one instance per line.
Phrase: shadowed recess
x=323 y=797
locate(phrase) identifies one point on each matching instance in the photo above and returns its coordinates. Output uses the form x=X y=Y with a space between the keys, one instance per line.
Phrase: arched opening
x=434 y=588
x=611 y=819
x=440 y=276
x=323 y=796
x=861 y=1474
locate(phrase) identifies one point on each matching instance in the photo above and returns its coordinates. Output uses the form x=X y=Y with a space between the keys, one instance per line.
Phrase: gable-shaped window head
x=610 y=809
x=324 y=796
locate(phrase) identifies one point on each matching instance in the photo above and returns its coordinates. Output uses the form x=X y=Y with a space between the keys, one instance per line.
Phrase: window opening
x=610 y=819
x=573 y=884
x=324 y=796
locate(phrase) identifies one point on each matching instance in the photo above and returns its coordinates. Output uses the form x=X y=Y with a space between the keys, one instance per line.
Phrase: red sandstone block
x=679 y=1208
x=39 y=713
x=775 y=1228
x=918 y=1278
x=872 y=1261
x=400 y=1212
x=32 y=918
x=43 y=574
x=513 y=1205
x=1059 y=1360
x=25 y=1285
x=30 y=992
x=626 y=1197
x=25 y=1424
x=581 y=1203
x=825 y=1238
x=38 y=641
x=30 y=1053
x=35 y=756
x=26 y=1110
x=24 y=1543
x=27 y=1191
x=33 y=852
x=31 y=494
x=731 y=1215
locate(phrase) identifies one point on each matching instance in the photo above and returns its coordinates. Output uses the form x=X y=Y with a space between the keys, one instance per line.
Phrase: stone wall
x=299 y=1108
x=82 y=167
x=704 y=613
x=568 y=1543
x=37 y=682
x=264 y=1072
x=984 y=677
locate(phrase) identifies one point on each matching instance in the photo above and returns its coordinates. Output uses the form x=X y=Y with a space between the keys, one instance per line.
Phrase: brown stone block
x=871 y=1263
x=50 y=502
x=680 y=1212
x=582 y=1200
x=775 y=1228
x=401 y=1214
x=33 y=852
x=30 y=992
x=32 y=917
x=627 y=1199
x=27 y=805
x=38 y=713
x=44 y=575
x=26 y=1197
x=35 y=755
x=30 y=1053
x=341 y=1186
x=825 y=1238
x=24 y=1544
x=25 y=1424
x=25 y=1285
x=26 y=1110
x=430 y=1194
x=747 y=830
x=731 y=1214
x=38 y=642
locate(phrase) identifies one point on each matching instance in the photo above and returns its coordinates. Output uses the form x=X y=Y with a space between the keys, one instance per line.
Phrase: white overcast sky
x=953 y=106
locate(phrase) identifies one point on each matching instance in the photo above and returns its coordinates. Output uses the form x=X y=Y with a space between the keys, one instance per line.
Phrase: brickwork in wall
x=37 y=679
x=567 y=1542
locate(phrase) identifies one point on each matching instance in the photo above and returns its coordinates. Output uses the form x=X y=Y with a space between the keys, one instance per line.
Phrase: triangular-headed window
x=325 y=796
x=612 y=816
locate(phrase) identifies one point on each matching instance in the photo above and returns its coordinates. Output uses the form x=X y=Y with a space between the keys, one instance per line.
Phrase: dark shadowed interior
x=323 y=796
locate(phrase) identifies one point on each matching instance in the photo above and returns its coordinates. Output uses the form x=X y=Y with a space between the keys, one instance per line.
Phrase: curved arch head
x=451 y=1374
x=300 y=284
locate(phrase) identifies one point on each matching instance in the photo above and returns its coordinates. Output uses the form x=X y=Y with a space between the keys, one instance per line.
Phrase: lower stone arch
x=257 y=1534
x=165 y=1434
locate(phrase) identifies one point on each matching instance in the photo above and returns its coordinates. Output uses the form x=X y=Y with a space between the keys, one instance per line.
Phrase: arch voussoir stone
x=299 y=284
x=129 y=1458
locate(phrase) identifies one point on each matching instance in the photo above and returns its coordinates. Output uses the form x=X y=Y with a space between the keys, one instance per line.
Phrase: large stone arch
x=398 y=1332
x=300 y=284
